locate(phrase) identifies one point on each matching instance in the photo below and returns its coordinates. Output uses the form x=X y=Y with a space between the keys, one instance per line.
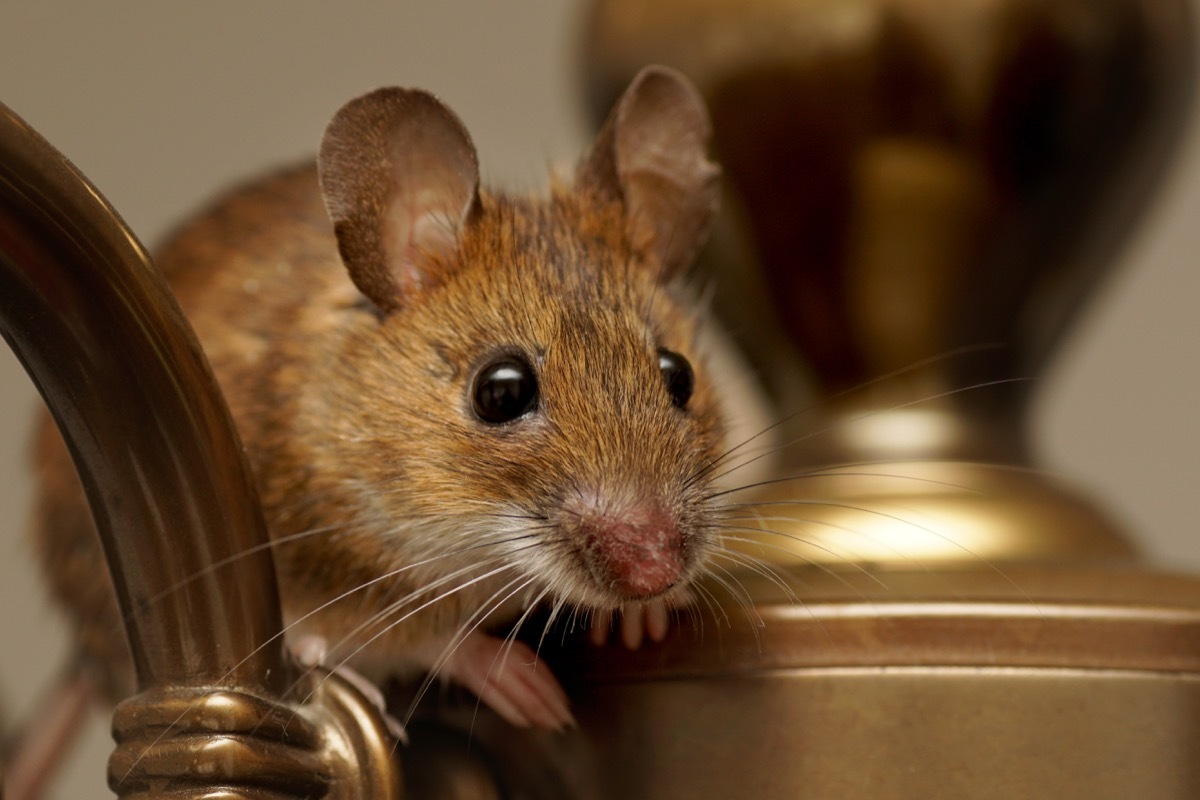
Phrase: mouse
x=458 y=403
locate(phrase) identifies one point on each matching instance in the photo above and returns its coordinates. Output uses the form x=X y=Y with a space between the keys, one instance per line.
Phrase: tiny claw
x=600 y=628
x=310 y=650
x=639 y=621
x=633 y=631
x=505 y=676
x=658 y=622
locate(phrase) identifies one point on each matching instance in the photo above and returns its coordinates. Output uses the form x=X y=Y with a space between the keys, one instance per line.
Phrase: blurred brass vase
x=921 y=195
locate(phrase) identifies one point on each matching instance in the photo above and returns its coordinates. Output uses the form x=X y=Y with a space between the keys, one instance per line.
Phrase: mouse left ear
x=651 y=155
x=400 y=179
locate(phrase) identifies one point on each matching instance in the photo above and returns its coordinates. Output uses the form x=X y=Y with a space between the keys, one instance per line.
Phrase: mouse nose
x=636 y=552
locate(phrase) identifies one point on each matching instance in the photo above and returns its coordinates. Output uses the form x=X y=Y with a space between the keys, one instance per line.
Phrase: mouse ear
x=400 y=180
x=651 y=155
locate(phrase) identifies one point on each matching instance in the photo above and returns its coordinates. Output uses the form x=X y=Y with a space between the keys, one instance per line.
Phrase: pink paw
x=639 y=621
x=508 y=678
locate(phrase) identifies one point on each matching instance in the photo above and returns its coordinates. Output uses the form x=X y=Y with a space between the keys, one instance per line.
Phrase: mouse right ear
x=651 y=155
x=400 y=180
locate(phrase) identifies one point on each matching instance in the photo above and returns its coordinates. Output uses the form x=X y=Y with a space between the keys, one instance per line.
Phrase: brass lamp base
x=1025 y=682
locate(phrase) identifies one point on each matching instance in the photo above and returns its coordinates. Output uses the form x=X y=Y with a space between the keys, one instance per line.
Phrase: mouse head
x=541 y=350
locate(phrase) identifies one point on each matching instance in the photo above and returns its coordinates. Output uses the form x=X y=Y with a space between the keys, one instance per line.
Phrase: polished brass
x=1033 y=682
x=107 y=346
x=927 y=514
x=924 y=192
x=183 y=742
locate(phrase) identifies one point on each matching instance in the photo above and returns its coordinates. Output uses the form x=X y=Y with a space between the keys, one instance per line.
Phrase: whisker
x=406 y=616
x=569 y=628
x=945 y=356
x=216 y=565
x=716 y=611
x=694 y=617
x=924 y=528
x=852 y=559
x=374 y=581
x=395 y=605
x=469 y=626
x=555 y=609
x=277 y=636
x=796 y=600
x=738 y=593
x=758 y=567
x=851 y=562
x=845 y=422
x=837 y=472
x=813 y=564
x=510 y=640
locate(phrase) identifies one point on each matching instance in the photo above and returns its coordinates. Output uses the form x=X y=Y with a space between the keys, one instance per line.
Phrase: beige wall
x=160 y=105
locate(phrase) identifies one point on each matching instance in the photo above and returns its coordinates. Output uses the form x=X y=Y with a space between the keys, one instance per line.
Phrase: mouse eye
x=504 y=390
x=677 y=372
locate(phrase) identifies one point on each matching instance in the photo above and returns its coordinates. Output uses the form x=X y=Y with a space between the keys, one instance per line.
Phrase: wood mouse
x=457 y=403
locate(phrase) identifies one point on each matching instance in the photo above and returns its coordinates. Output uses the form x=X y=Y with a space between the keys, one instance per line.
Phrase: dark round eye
x=504 y=390
x=677 y=372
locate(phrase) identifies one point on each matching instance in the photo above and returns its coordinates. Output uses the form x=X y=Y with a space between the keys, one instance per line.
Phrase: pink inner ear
x=415 y=228
x=433 y=186
x=666 y=180
x=400 y=180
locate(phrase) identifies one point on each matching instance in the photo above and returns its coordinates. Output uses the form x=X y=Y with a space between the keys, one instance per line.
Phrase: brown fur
x=357 y=419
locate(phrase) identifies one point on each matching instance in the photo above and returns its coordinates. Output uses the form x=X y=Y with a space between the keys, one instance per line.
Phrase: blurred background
x=161 y=105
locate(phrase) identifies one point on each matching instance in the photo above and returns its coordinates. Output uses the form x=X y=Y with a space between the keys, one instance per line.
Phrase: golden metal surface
x=1034 y=682
x=105 y=343
x=180 y=742
x=928 y=514
x=930 y=733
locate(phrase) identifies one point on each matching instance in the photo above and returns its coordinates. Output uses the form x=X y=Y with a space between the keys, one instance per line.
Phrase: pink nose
x=637 y=552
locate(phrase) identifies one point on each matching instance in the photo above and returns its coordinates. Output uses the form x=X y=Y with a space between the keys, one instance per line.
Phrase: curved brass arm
x=109 y=349
x=102 y=337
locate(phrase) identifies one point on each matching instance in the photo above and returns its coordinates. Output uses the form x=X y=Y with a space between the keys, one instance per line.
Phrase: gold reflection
x=927 y=514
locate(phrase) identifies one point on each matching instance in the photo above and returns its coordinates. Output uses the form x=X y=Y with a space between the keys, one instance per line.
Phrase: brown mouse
x=457 y=403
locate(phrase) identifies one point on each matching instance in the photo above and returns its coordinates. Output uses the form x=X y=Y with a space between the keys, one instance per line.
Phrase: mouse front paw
x=509 y=678
x=637 y=622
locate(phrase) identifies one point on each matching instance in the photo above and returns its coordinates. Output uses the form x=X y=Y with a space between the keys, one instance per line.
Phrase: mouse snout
x=636 y=552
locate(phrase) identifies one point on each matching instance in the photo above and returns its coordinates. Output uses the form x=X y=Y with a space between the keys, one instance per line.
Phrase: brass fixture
x=934 y=617
x=100 y=334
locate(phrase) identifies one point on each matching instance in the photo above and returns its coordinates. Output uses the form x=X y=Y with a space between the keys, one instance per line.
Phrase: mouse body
x=457 y=403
